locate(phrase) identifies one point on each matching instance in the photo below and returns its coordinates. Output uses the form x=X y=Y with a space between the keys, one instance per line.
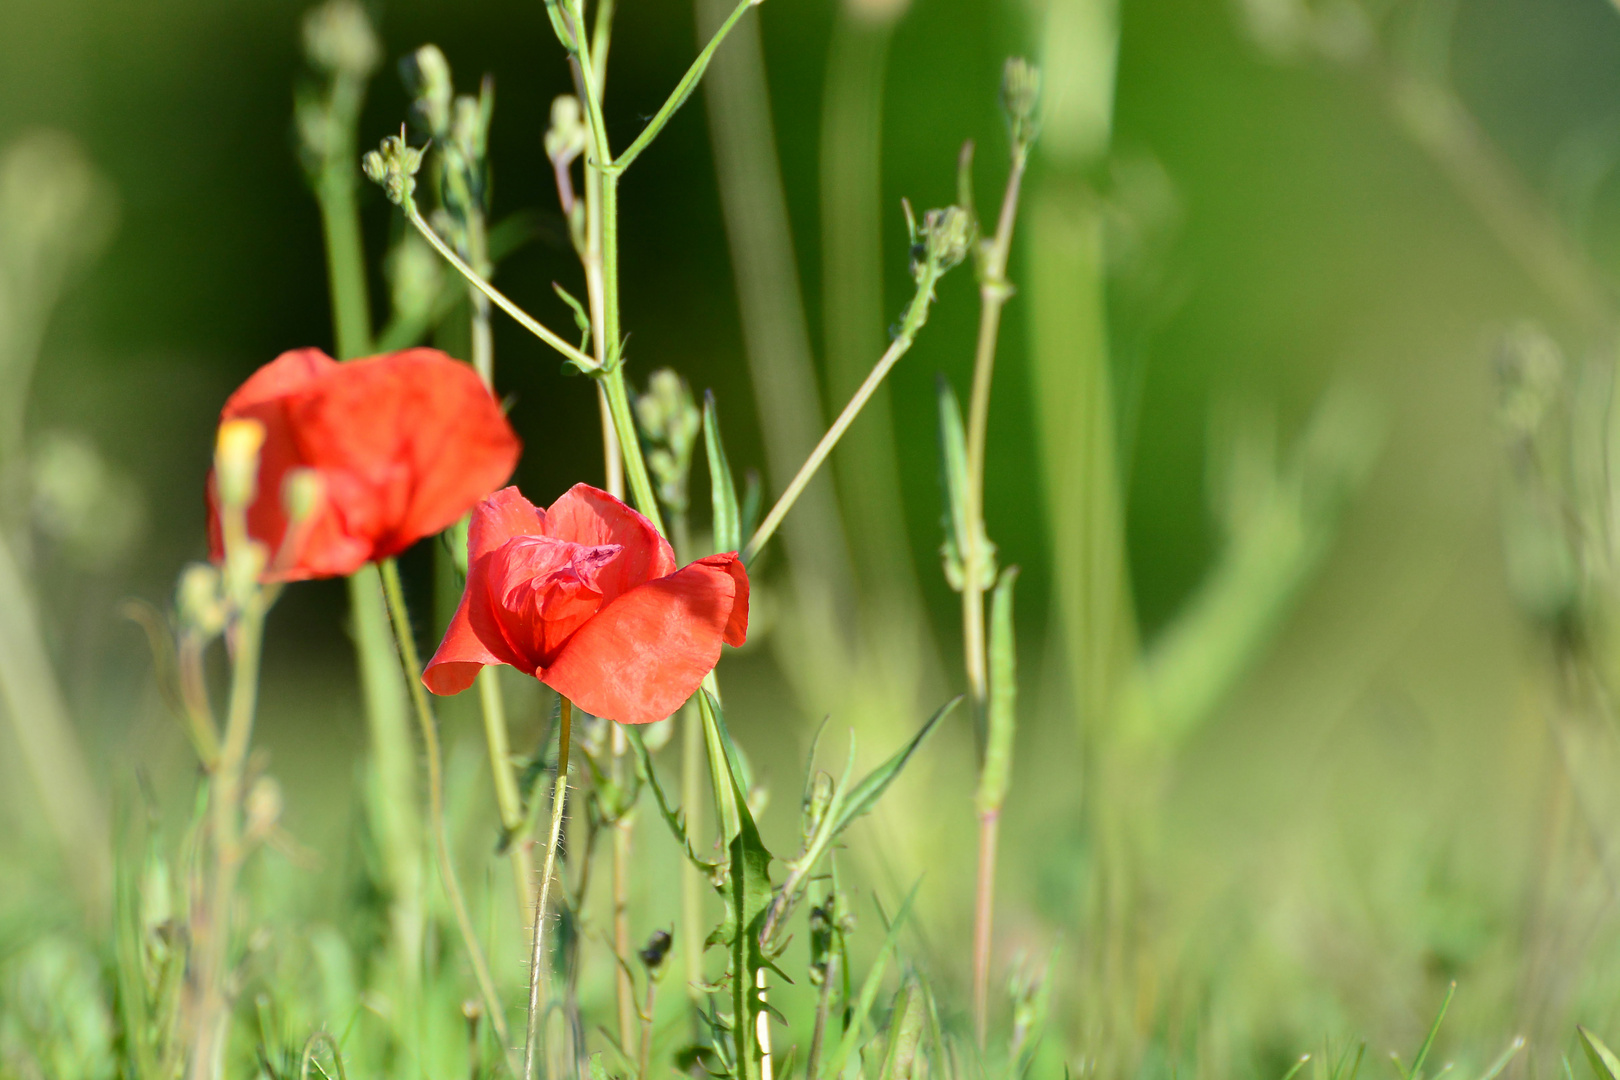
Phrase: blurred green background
x=1367 y=816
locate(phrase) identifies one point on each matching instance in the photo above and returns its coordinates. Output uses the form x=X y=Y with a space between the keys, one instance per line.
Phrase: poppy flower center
x=546 y=589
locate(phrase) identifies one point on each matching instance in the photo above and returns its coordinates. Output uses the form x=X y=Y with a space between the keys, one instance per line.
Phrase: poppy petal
x=292 y=371
x=590 y=516
x=420 y=434
x=737 y=624
x=499 y=518
x=644 y=654
x=460 y=655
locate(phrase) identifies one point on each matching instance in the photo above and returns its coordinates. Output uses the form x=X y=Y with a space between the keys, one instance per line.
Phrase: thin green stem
x=340 y=222
x=435 y=768
x=507 y=797
x=623 y=836
x=641 y=488
x=682 y=91
x=691 y=934
x=531 y=1046
x=524 y=319
x=993 y=294
x=211 y=925
x=916 y=315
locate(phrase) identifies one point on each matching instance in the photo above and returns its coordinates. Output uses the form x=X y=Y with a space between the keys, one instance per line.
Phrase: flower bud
x=1020 y=88
x=339 y=40
x=816 y=800
x=427 y=76
x=670 y=421
x=943 y=240
x=394 y=165
x=236 y=461
x=199 y=601
x=301 y=493
x=657 y=950
x=263 y=807
x=565 y=138
x=244 y=567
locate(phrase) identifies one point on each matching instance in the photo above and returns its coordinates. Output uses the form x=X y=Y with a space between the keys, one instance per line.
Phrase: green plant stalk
x=392 y=777
x=994 y=778
x=507 y=797
x=537 y=958
x=492 y=705
x=915 y=316
x=623 y=841
x=994 y=291
x=691 y=937
x=435 y=770
x=211 y=925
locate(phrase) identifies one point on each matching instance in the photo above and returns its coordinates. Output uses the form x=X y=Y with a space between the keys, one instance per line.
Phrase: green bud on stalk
x=670 y=422
x=199 y=602
x=427 y=76
x=1020 y=89
x=394 y=165
x=339 y=40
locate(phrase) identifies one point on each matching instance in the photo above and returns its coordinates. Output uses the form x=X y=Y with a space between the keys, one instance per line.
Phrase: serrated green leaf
x=672 y=818
x=1002 y=719
x=872 y=786
x=723 y=491
x=598 y=1070
x=1605 y=1066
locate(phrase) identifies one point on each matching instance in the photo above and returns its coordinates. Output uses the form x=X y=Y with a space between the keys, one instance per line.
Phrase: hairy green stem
x=435 y=770
x=531 y=1046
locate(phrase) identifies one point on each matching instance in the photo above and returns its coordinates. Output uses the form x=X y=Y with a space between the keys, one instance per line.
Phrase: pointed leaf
x=872 y=786
x=869 y=988
x=673 y=818
x=1605 y=1066
x=953 y=478
x=1002 y=720
x=727 y=518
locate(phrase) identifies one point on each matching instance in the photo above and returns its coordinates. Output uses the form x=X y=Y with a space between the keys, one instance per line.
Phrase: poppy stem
x=435 y=769
x=531 y=1044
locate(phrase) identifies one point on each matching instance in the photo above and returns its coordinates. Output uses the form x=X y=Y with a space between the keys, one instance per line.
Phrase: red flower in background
x=403 y=444
x=585 y=596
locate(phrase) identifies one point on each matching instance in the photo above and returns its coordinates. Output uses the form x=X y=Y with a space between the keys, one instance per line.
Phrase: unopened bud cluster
x=943 y=240
x=393 y=165
x=1020 y=89
x=670 y=422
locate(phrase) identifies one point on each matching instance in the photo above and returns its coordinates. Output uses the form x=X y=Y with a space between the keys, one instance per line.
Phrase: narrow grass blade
x=1605 y=1066
x=1434 y=1029
x=727 y=518
x=869 y=989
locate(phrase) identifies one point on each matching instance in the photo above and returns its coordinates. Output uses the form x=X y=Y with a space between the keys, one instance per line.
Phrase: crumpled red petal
x=643 y=655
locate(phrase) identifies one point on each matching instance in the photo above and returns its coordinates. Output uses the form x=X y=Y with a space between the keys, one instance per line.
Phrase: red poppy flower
x=585 y=596
x=403 y=444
